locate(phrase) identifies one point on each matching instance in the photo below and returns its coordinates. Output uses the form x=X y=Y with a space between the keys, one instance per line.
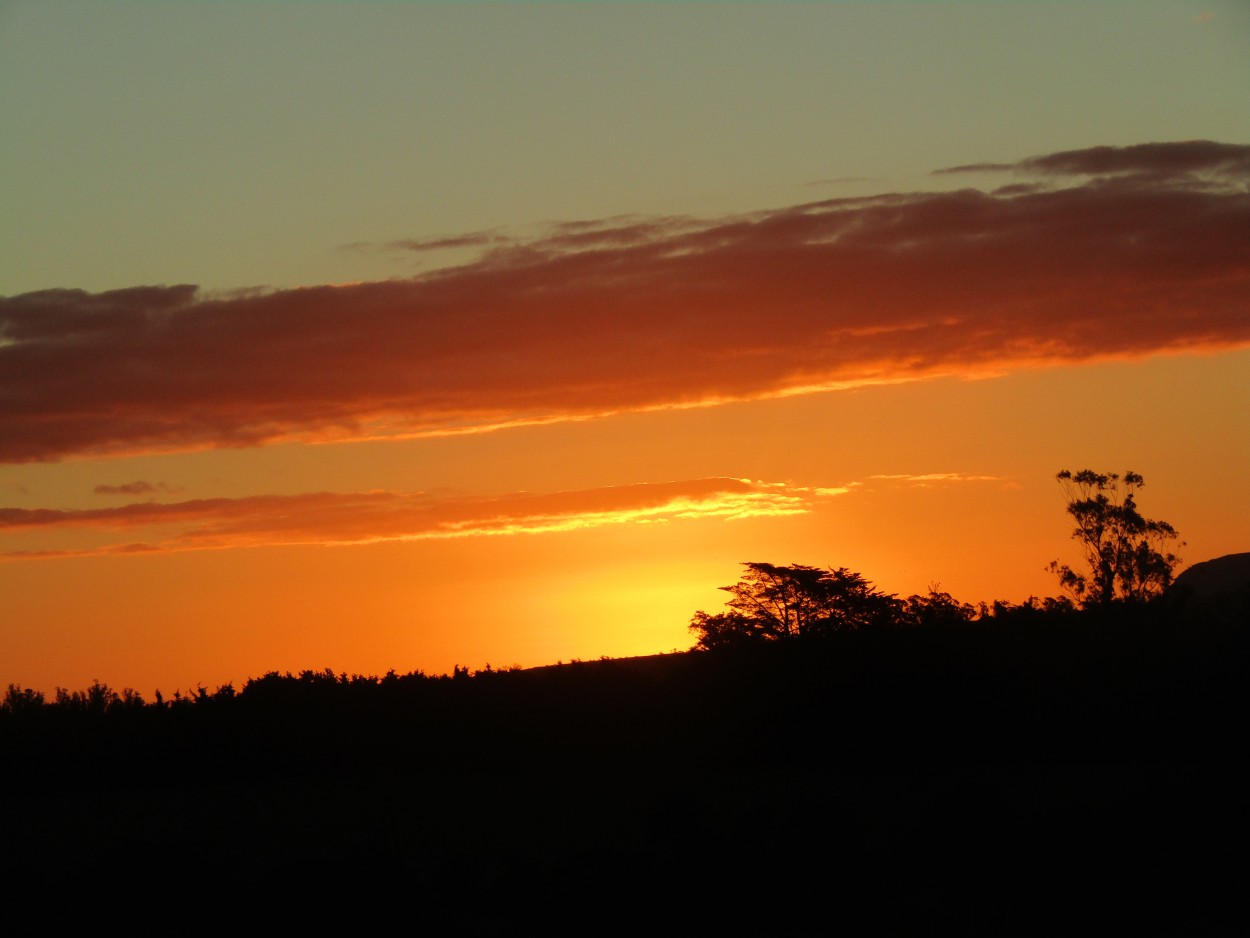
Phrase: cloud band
x=370 y=517
x=1150 y=255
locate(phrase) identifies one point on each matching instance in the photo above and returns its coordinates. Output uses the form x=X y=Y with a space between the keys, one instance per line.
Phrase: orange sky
x=531 y=545
x=555 y=439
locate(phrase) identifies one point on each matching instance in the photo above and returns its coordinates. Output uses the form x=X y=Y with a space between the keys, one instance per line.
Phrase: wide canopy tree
x=772 y=603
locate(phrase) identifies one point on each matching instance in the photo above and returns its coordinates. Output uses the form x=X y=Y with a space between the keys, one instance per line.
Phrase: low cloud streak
x=331 y=518
x=1150 y=255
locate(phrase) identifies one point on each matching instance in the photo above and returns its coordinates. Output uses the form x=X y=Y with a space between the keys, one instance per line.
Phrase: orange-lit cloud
x=928 y=478
x=1122 y=252
x=369 y=517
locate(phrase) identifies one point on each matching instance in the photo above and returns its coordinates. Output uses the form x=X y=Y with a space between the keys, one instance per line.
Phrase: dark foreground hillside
x=1036 y=775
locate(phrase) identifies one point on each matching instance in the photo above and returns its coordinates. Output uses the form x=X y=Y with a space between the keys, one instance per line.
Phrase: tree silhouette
x=936 y=609
x=1125 y=552
x=772 y=603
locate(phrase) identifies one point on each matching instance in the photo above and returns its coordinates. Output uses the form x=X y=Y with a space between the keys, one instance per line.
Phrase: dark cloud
x=133 y=488
x=975 y=168
x=129 y=488
x=1165 y=159
x=1019 y=188
x=629 y=314
x=75 y=317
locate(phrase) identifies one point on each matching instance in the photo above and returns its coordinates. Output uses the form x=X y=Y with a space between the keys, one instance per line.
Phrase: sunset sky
x=385 y=335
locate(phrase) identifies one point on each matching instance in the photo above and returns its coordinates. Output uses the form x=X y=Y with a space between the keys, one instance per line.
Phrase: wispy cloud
x=1125 y=252
x=929 y=477
x=134 y=488
x=474 y=239
x=934 y=480
x=369 y=517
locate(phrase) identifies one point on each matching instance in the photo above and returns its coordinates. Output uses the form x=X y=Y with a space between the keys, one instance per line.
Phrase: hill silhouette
x=1029 y=772
x=1221 y=576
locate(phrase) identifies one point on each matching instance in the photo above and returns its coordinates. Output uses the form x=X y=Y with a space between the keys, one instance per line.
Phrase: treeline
x=934 y=610
x=778 y=603
x=784 y=602
x=814 y=611
x=1065 y=676
x=1014 y=770
x=99 y=698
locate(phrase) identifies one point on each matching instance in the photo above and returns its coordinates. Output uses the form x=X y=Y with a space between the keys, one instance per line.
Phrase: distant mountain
x=1227 y=574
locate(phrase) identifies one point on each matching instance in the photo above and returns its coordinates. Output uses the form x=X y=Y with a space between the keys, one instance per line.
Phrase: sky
x=372 y=336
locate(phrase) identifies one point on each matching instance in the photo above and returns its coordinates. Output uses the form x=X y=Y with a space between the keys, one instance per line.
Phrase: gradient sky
x=372 y=336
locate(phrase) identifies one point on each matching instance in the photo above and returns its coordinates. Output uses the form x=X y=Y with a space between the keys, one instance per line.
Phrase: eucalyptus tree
x=1127 y=556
